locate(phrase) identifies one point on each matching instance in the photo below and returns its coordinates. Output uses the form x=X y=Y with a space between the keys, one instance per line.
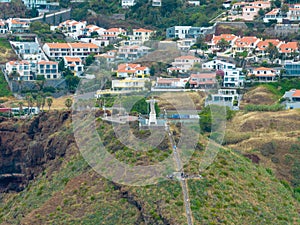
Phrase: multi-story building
x=18 y=25
x=142 y=34
x=185 y=63
x=74 y=64
x=224 y=97
x=72 y=28
x=247 y=43
x=292 y=69
x=294 y=13
x=263 y=74
x=130 y=84
x=3 y=27
x=233 y=78
x=132 y=70
x=20 y=70
x=178 y=32
x=132 y=52
x=288 y=48
x=49 y=69
x=262 y=45
x=203 y=80
x=230 y=38
x=275 y=14
x=59 y=50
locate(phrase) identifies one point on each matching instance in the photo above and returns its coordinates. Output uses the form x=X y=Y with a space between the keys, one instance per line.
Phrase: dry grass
x=181 y=100
x=259 y=95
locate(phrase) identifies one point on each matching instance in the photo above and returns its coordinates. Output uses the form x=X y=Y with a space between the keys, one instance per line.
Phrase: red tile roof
x=44 y=62
x=296 y=94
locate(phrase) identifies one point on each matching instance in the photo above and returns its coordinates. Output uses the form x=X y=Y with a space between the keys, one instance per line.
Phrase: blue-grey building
x=292 y=69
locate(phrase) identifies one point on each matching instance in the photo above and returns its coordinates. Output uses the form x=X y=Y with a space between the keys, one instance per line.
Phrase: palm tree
x=49 y=102
x=68 y=103
x=43 y=102
x=38 y=101
x=20 y=108
x=28 y=96
x=30 y=104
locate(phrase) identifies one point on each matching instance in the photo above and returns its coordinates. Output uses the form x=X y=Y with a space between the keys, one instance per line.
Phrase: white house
x=48 y=68
x=3 y=27
x=178 y=32
x=17 y=25
x=185 y=63
x=224 y=97
x=59 y=50
x=218 y=64
x=263 y=74
x=233 y=78
x=142 y=34
x=275 y=14
x=109 y=56
x=97 y=41
x=74 y=64
x=24 y=68
x=132 y=70
x=127 y=3
x=72 y=28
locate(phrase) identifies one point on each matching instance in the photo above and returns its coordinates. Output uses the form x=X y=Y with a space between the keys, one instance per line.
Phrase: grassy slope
x=6 y=52
x=4 y=89
x=232 y=190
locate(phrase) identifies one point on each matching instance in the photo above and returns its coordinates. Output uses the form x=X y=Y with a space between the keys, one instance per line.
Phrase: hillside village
x=207 y=60
x=222 y=73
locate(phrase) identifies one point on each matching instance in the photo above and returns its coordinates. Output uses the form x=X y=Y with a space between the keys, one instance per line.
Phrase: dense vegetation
x=4 y=89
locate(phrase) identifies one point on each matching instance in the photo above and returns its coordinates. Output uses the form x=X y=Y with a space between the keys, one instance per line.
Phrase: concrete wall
x=54 y=18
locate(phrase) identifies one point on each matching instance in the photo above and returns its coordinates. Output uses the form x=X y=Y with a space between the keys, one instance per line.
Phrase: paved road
x=183 y=181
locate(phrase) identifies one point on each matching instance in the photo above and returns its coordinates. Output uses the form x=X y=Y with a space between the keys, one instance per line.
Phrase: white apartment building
x=49 y=69
x=59 y=50
x=233 y=78
x=224 y=97
x=74 y=64
x=72 y=28
x=178 y=32
x=142 y=34
x=24 y=69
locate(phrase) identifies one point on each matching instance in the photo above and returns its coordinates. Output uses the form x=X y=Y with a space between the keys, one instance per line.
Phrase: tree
x=61 y=65
x=68 y=103
x=14 y=75
x=148 y=85
x=20 y=108
x=284 y=9
x=261 y=12
x=223 y=44
x=89 y=60
x=272 y=52
x=276 y=3
x=43 y=102
x=38 y=101
x=72 y=82
x=152 y=70
x=49 y=102
x=28 y=99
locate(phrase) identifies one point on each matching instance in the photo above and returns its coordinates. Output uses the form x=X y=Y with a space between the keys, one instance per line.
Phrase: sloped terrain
x=271 y=138
x=63 y=189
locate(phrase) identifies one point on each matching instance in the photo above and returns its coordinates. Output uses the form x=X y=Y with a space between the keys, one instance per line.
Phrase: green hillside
x=232 y=191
